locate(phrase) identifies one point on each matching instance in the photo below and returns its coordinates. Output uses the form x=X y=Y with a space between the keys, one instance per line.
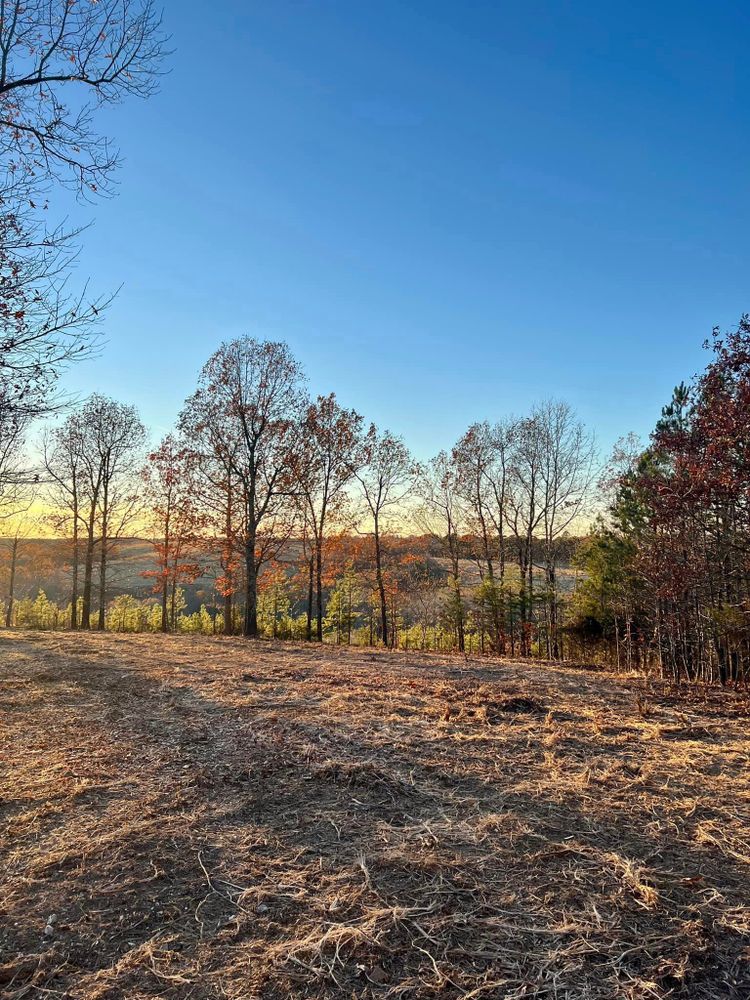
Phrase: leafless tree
x=92 y=464
x=525 y=509
x=387 y=477
x=115 y=441
x=567 y=475
x=472 y=458
x=326 y=463
x=442 y=514
x=43 y=330
x=218 y=495
x=16 y=477
x=20 y=531
x=550 y=476
x=480 y=461
x=248 y=405
x=173 y=515
x=63 y=471
x=60 y=61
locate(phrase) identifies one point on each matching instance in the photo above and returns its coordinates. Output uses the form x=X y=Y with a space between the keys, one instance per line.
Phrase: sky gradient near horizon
x=449 y=211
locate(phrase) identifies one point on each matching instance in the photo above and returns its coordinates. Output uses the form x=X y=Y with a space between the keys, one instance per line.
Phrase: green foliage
x=274 y=606
x=127 y=614
x=199 y=623
x=39 y=613
x=344 y=612
x=453 y=612
x=489 y=600
x=177 y=604
x=153 y=618
x=678 y=413
x=610 y=585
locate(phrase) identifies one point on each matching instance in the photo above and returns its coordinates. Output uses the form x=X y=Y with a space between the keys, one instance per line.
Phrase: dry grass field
x=195 y=818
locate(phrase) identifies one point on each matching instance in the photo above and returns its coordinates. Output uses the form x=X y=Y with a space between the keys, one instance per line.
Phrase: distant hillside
x=44 y=563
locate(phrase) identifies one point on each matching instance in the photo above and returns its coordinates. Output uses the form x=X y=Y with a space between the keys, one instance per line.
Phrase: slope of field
x=195 y=818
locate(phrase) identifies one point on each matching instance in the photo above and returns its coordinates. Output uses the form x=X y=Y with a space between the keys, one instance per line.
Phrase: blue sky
x=449 y=210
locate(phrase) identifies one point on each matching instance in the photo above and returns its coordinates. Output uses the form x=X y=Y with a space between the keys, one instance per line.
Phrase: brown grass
x=195 y=818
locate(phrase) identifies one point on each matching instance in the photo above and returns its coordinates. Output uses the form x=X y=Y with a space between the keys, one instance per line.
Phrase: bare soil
x=193 y=818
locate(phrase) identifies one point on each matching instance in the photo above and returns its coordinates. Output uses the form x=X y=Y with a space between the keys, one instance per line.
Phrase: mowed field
x=193 y=818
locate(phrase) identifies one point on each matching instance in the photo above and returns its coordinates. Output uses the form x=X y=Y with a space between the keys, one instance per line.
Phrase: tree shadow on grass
x=314 y=857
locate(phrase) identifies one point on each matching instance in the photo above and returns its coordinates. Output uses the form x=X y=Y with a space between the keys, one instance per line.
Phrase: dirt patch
x=193 y=818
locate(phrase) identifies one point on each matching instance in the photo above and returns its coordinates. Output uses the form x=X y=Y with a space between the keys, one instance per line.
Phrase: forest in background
x=417 y=591
x=266 y=498
x=291 y=514
x=274 y=514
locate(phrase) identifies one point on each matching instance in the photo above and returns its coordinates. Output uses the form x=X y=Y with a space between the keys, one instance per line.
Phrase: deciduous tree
x=326 y=462
x=387 y=476
x=442 y=514
x=60 y=62
x=170 y=483
x=247 y=409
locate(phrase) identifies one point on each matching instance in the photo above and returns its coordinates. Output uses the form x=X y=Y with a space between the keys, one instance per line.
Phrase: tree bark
x=250 y=629
x=381 y=586
x=101 y=622
x=103 y=560
x=228 y=611
x=12 y=583
x=319 y=588
x=310 y=589
x=74 y=581
x=88 y=571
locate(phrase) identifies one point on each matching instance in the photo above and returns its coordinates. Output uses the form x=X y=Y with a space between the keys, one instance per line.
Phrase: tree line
x=263 y=462
x=300 y=504
x=324 y=526
x=668 y=567
x=271 y=481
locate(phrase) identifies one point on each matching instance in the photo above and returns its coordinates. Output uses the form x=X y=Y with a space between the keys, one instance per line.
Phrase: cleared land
x=209 y=818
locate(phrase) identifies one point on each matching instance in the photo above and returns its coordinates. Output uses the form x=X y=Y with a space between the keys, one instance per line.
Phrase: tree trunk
x=11 y=583
x=455 y=566
x=250 y=629
x=228 y=611
x=103 y=561
x=460 y=612
x=88 y=576
x=487 y=550
x=319 y=588
x=74 y=581
x=552 y=588
x=102 y=588
x=530 y=591
x=522 y=599
x=310 y=589
x=381 y=586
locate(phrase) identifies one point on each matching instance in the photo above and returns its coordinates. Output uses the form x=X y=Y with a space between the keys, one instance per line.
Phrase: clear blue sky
x=447 y=209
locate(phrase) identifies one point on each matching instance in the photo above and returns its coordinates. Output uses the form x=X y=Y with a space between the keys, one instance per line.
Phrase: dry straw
x=210 y=818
